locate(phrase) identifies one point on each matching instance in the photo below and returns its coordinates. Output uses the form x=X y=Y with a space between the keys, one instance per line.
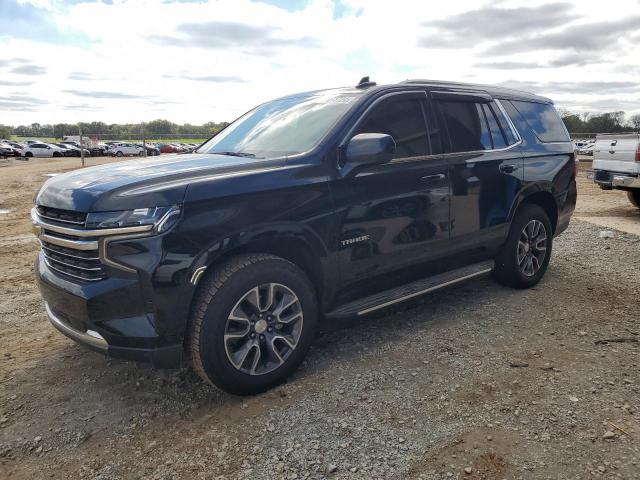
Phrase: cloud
x=590 y=37
x=7 y=62
x=493 y=23
x=510 y=65
x=29 y=70
x=84 y=107
x=27 y=20
x=80 y=76
x=10 y=83
x=257 y=40
x=209 y=78
x=107 y=95
x=21 y=102
x=586 y=87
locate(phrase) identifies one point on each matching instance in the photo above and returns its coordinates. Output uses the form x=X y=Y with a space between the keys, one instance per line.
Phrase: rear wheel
x=56 y=154
x=524 y=257
x=141 y=154
x=634 y=197
x=28 y=154
x=119 y=154
x=252 y=323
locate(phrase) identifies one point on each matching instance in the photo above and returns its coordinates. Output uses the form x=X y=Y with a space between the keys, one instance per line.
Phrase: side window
x=496 y=131
x=504 y=125
x=401 y=118
x=467 y=127
x=543 y=120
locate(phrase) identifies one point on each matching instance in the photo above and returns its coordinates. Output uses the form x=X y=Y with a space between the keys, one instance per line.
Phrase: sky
x=121 y=61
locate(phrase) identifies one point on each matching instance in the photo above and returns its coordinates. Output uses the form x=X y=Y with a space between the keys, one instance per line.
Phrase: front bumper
x=108 y=316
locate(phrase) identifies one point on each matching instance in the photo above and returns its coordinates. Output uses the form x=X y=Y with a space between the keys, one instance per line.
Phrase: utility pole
x=144 y=140
x=81 y=146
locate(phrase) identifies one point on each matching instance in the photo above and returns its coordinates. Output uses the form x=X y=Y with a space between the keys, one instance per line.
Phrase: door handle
x=433 y=178
x=507 y=168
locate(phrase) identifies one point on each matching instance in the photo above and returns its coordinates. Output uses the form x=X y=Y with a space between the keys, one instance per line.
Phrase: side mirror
x=370 y=148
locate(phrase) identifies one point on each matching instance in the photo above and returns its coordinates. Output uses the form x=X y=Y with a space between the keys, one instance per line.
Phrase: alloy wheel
x=532 y=248
x=263 y=329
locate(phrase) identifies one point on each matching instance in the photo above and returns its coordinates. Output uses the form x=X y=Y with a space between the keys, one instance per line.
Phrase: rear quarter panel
x=616 y=153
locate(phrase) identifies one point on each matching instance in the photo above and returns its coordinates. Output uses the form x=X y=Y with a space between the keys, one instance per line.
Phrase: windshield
x=282 y=127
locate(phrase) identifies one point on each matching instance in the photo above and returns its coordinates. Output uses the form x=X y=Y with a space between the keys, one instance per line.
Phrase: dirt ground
x=474 y=381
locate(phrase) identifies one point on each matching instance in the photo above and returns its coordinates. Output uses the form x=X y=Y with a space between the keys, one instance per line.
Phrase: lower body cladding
x=109 y=316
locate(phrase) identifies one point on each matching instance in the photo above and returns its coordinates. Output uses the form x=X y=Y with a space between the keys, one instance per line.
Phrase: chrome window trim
x=515 y=131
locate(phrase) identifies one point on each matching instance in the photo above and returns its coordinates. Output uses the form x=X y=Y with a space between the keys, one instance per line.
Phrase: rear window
x=543 y=120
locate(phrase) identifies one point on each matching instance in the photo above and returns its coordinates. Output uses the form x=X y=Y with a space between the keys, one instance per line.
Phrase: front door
x=395 y=214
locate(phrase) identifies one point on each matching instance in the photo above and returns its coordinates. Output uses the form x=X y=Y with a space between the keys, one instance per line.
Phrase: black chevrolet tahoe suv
x=326 y=204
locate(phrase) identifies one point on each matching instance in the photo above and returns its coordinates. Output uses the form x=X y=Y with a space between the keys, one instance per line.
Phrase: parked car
x=73 y=150
x=42 y=150
x=169 y=148
x=616 y=164
x=151 y=150
x=587 y=148
x=124 y=149
x=355 y=200
x=6 y=150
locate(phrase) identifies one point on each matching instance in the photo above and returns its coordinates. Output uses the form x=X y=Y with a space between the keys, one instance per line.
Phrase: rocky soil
x=473 y=382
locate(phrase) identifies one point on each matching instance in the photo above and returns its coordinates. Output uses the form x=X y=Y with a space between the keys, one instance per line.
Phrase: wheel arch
x=545 y=200
x=294 y=243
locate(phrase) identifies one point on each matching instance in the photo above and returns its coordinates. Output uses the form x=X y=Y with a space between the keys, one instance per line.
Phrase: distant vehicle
x=73 y=150
x=95 y=149
x=29 y=142
x=42 y=150
x=151 y=150
x=6 y=150
x=587 y=148
x=125 y=149
x=616 y=164
x=169 y=148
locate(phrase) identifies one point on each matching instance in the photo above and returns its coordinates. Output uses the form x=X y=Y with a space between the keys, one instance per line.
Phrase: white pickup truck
x=616 y=163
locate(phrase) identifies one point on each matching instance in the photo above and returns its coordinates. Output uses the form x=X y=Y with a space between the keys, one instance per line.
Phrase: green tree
x=635 y=121
x=6 y=131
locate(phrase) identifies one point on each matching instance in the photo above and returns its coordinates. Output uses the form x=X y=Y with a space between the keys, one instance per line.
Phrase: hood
x=141 y=183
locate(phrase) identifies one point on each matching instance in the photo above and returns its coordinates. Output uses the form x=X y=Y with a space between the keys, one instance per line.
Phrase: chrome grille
x=63 y=216
x=78 y=264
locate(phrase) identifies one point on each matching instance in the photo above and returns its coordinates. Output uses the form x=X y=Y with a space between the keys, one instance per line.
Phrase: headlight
x=162 y=218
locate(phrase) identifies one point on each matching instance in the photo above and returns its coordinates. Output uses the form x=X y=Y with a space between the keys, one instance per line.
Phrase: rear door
x=616 y=153
x=486 y=168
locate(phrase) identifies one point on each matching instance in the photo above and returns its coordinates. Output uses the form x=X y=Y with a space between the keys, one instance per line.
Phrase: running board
x=369 y=304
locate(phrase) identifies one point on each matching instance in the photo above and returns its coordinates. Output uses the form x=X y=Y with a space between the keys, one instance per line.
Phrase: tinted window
x=435 y=134
x=466 y=125
x=543 y=120
x=496 y=131
x=404 y=121
x=504 y=124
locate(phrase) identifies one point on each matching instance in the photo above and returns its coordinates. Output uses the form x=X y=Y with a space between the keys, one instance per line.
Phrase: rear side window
x=496 y=131
x=543 y=120
x=467 y=126
x=401 y=118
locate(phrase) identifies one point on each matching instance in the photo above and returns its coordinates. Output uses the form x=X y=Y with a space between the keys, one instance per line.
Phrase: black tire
x=508 y=270
x=56 y=154
x=634 y=197
x=119 y=154
x=220 y=295
x=28 y=154
x=141 y=154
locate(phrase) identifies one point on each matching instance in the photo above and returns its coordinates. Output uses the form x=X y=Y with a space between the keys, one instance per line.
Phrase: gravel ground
x=474 y=381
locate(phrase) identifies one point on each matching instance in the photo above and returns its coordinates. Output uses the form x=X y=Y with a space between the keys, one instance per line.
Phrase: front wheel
x=252 y=324
x=634 y=197
x=119 y=154
x=524 y=257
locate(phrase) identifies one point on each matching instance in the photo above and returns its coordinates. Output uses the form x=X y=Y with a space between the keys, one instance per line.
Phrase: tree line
x=155 y=128
x=610 y=122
